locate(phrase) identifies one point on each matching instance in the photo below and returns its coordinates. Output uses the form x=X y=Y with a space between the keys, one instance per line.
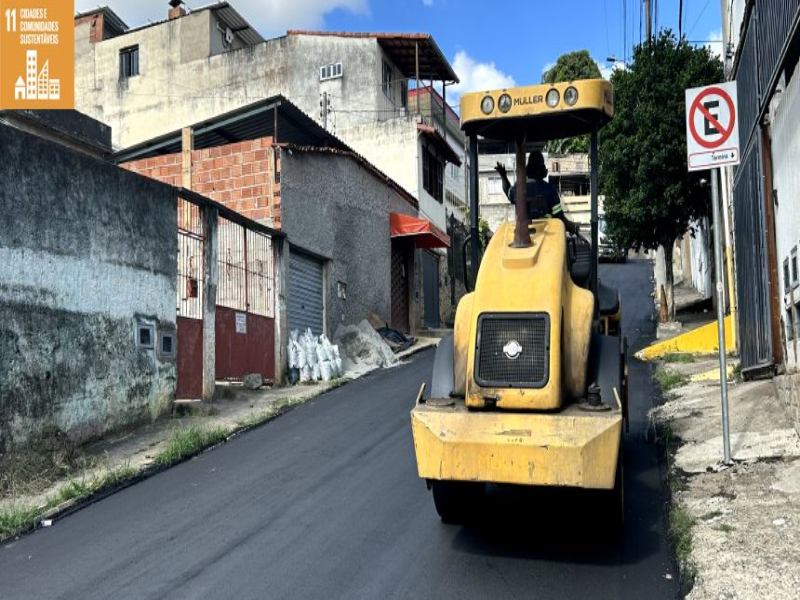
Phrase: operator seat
x=580 y=269
x=608 y=298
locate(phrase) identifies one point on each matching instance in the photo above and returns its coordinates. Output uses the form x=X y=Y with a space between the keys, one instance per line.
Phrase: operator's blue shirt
x=547 y=192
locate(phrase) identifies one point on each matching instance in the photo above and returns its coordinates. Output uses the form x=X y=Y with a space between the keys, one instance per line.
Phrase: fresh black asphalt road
x=325 y=503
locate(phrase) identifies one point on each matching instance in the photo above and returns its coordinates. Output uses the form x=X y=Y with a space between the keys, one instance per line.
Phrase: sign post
x=712 y=139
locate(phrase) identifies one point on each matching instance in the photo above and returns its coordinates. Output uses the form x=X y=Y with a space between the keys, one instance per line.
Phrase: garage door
x=305 y=292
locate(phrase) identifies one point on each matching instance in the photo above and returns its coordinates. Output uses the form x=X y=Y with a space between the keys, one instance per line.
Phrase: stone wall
x=87 y=253
x=788 y=388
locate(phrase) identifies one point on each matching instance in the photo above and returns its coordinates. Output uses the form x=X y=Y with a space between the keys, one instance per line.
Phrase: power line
x=625 y=31
x=705 y=6
x=605 y=15
x=641 y=3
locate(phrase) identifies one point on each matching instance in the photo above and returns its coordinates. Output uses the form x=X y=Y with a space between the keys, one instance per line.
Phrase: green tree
x=651 y=198
x=571 y=66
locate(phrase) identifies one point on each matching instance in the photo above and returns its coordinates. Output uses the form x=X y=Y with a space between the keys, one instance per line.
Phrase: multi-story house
x=155 y=79
x=568 y=173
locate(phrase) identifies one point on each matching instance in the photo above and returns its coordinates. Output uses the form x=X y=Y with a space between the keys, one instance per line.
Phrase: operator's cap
x=536 y=159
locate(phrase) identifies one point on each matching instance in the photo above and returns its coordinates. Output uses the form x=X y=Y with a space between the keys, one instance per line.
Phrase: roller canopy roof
x=525 y=110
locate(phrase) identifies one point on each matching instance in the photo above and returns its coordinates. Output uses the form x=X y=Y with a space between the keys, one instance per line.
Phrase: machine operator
x=544 y=193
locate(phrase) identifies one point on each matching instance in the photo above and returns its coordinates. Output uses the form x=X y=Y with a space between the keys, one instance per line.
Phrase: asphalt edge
x=74 y=505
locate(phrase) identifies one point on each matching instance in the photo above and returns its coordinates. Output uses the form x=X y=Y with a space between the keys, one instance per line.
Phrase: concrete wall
x=336 y=208
x=187 y=76
x=702 y=258
x=393 y=147
x=786 y=180
x=788 y=388
x=87 y=251
x=179 y=82
x=357 y=97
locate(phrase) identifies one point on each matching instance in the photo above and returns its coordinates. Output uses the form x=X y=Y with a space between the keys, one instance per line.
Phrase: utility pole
x=324 y=107
x=648 y=20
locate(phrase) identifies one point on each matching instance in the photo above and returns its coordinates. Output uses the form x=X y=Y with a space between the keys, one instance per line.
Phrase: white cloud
x=270 y=17
x=714 y=43
x=547 y=67
x=476 y=76
x=427 y=2
x=606 y=69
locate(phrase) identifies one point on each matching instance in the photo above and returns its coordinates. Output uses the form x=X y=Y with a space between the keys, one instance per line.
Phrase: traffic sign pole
x=723 y=367
x=712 y=140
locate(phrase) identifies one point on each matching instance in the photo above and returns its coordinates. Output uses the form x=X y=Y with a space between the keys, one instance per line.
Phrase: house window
x=786 y=280
x=145 y=336
x=331 y=71
x=495 y=186
x=388 y=88
x=794 y=268
x=404 y=93
x=432 y=175
x=797 y=320
x=167 y=345
x=129 y=62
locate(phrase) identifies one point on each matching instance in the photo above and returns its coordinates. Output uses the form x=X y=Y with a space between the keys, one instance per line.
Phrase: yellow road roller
x=531 y=387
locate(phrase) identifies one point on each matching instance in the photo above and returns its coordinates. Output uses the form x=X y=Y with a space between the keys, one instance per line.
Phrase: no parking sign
x=712 y=126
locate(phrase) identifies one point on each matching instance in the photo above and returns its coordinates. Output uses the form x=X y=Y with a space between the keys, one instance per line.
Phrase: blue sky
x=510 y=42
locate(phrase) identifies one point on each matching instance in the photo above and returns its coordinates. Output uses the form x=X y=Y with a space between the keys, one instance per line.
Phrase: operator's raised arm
x=537 y=186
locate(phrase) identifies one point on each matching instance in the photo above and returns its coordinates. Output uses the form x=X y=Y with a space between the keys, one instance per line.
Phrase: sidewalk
x=123 y=459
x=737 y=529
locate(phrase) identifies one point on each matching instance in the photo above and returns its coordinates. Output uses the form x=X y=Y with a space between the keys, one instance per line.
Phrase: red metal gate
x=191 y=249
x=245 y=323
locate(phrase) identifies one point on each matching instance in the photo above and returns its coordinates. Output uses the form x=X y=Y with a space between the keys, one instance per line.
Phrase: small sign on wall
x=241 y=323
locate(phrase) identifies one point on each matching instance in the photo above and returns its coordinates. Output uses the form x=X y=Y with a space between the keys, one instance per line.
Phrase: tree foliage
x=650 y=195
x=651 y=198
x=571 y=66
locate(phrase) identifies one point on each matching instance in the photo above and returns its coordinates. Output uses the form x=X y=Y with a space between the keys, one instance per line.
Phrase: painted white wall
x=786 y=179
x=702 y=258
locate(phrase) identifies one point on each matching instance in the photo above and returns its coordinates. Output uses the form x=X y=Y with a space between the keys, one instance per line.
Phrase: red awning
x=426 y=233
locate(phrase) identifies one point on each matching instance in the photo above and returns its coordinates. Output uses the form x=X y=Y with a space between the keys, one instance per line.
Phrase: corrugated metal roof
x=250 y=122
x=440 y=143
x=402 y=50
x=112 y=19
x=230 y=17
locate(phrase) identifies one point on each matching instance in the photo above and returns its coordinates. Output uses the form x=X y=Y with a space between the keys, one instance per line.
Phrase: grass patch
x=680 y=535
x=737 y=373
x=678 y=357
x=15 y=519
x=46 y=458
x=724 y=527
x=668 y=379
x=189 y=441
x=75 y=488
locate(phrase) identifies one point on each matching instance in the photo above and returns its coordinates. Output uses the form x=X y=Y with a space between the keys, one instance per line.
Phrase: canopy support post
x=473 y=202
x=593 y=182
x=522 y=236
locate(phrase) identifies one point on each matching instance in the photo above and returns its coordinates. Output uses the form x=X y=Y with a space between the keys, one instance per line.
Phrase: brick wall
x=239 y=175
